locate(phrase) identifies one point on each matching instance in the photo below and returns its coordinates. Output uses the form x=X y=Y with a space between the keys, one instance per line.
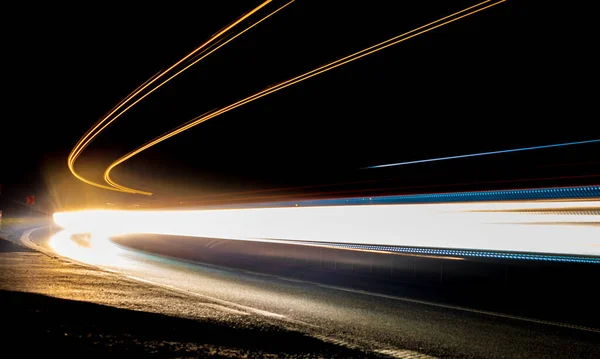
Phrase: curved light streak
x=107 y=119
x=177 y=73
x=330 y=66
x=484 y=154
x=563 y=227
x=84 y=141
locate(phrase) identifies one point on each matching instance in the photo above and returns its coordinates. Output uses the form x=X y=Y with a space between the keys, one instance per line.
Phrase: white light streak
x=453 y=225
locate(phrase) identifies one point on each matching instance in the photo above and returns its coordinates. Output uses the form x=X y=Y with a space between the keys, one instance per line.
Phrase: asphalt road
x=386 y=324
x=53 y=307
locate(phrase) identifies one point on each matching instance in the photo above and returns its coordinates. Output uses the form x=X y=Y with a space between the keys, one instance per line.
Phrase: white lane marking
x=405 y=299
x=464 y=309
x=390 y=352
x=32 y=245
x=170 y=287
x=207 y=297
x=25 y=239
x=225 y=309
x=403 y=354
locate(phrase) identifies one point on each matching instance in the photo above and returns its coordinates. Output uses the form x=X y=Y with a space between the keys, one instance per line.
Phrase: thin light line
x=290 y=82
x=94 y=132
x=484 y=154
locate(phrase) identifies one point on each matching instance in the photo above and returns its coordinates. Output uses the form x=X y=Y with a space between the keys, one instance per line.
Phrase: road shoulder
x=53 y=306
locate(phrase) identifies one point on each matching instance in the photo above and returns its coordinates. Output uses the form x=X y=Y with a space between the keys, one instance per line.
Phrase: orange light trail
x=109 y=118
x=330 y=66
x=148 y=83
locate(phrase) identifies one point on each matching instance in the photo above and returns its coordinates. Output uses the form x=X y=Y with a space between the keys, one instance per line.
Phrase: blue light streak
x=465 y=253
x=550 y=193
x=483 y=154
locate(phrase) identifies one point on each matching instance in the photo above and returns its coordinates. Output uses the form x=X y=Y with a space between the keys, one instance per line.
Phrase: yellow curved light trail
x=82 y=142
x=148 y=82
x=330 y=66
x=107 y=119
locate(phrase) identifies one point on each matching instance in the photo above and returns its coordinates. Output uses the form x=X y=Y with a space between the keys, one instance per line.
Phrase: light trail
x=203 y=55
x=509 y=229
x=107 y=119
x=85 y=140
x=330 y=66
x=580 y=193
x=207 y=200
x=484 y=154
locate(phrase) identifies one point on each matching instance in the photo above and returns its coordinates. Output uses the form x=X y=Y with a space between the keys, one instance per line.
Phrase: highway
x=400 y=326
x=336 y=246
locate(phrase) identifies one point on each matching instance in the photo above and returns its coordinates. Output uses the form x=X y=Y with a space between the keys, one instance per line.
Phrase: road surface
x=380 y=323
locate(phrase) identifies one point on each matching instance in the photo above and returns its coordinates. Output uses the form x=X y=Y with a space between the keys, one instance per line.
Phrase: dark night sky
x=508 y=77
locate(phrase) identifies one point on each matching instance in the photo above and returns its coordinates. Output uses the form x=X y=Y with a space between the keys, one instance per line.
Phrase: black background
x=519 y=74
